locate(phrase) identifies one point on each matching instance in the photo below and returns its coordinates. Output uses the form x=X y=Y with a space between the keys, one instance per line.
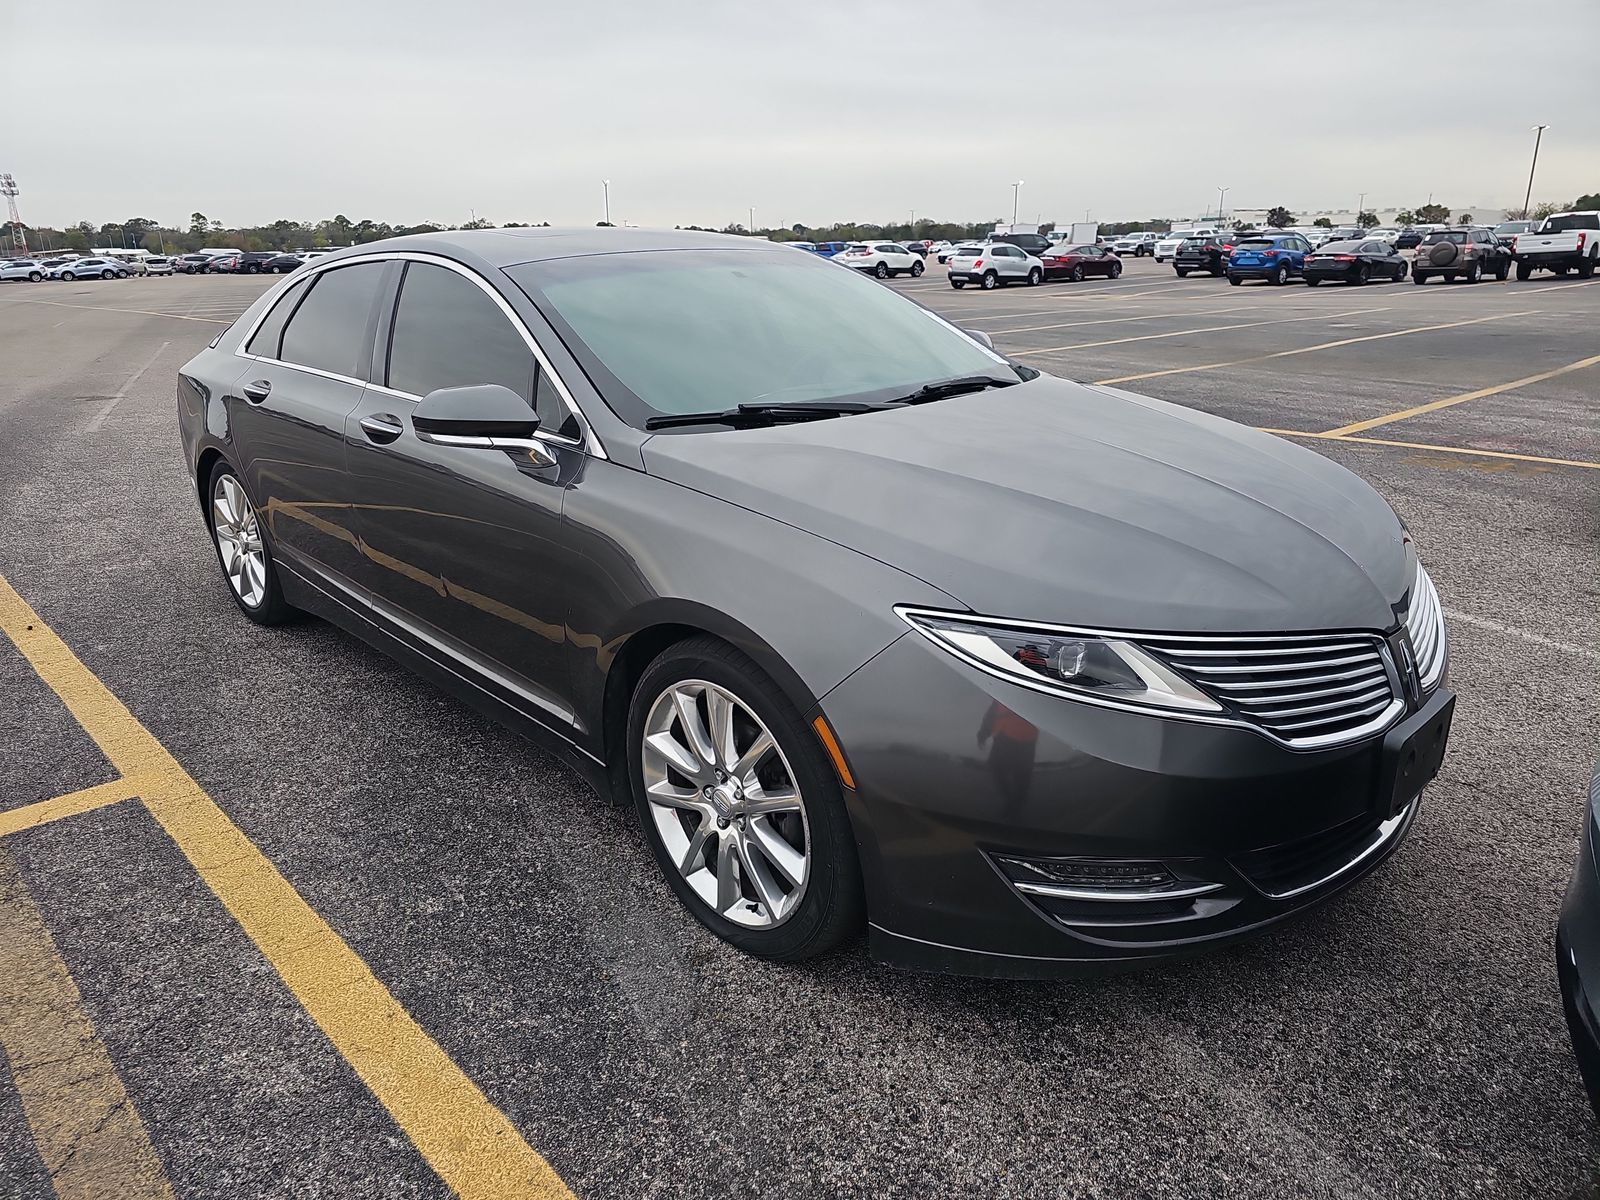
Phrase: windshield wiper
x=958 y=386
x=748 y=415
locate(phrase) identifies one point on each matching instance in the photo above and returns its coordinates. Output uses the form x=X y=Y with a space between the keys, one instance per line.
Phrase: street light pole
x=1016 y=194
x=752 y=218
x=1361 y=207
x=606 y=184
x=1222 y=194
x=1527 y=200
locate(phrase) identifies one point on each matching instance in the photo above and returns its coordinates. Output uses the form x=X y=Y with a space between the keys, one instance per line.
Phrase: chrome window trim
x=1324 y=741
x=589 y=441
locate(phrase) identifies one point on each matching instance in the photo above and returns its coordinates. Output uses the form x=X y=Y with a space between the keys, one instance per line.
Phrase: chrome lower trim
x=1385 y=833
x=1055 y=891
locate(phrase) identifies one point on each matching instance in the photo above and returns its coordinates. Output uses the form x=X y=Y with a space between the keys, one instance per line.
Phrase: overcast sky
x=405 y=111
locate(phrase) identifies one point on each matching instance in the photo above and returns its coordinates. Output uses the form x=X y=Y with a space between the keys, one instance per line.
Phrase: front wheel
x=34 y=276
x=916 y=270
x=1400 y=272
x=881 y=270
x=243 y=552
x=1116 y=270
x=990 y=281
x=740 y=804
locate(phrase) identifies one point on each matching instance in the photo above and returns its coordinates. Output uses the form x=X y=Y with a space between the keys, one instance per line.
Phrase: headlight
x=1069 y=662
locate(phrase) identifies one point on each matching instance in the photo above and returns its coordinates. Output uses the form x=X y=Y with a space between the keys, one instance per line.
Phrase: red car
x=1074 y=262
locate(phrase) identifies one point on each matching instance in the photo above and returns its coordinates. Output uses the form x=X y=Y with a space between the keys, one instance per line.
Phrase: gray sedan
x=877 y=630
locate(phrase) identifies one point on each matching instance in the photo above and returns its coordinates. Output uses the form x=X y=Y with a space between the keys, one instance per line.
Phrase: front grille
x=1425 y=624
x=1291 y=868
x=1308 y=691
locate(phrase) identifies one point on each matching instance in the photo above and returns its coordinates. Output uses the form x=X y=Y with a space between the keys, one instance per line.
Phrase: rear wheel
x=1183 y=272
x=1312 y=281
x=881 y=270
x=1561 y=270
x=1475 y=271
x=990 y=281
x=958 y=284
x=740 y=805
x=1585 y=269
x=1363 y=275
x=1235 y=280
x=1280 y=274
x=242 y=550
x=1076 y=274
x=916 y=270
x=1418 y=277
x=68 y=276
x=1035 y=277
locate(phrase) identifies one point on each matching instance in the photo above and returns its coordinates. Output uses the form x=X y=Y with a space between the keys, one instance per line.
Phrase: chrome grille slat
x=1425 y=624
x=1307 y=690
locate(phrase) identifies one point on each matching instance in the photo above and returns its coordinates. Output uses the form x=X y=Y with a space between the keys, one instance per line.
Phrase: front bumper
x=960 y=775
x=1578 y=962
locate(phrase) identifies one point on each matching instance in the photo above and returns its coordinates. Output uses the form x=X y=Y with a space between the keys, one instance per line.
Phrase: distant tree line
x=340 y=230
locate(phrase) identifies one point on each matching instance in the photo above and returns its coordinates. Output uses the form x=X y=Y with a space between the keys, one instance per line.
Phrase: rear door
x=306 y=368
x=463 y=547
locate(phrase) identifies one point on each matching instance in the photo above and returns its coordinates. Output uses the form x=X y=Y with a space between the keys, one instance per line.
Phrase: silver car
x=23 y=268
x=158 y=266
x=994 y=264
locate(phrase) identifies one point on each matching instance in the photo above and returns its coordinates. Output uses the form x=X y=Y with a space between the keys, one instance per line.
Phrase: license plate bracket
x=1413 y=751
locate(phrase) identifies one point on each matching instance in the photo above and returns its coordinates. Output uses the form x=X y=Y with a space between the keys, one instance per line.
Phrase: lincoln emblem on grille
x=1406 y=663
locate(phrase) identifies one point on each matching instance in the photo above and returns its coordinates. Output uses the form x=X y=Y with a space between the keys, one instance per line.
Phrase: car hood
x=1074 y=504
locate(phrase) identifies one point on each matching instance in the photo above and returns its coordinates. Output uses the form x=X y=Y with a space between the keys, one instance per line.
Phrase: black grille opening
x=1283 y=868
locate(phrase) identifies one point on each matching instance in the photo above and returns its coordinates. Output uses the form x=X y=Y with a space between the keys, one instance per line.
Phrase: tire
x=1313 y=281
x=990 y=281
x=35 y=277
x=1216 y=271
x=1076 y=274
x=1400 y=273
x=1585 y=269
x=1280 y=275
x=253 y=269
x=1235 y=280
x=1418 y=277
x=1363 y=275
x=1474 y=272
x=231 y=519
x=958 y=284
x=68 y=276
x=777 y=917
x=881 y=270
x=1449 y=276
x=1183 y=272
x=916 y=270
x=1035 y=277
x=1561 y=270
x=1116 y=269
x=112 y=275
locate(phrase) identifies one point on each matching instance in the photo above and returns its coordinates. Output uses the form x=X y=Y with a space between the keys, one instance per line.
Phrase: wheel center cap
x=726 y=800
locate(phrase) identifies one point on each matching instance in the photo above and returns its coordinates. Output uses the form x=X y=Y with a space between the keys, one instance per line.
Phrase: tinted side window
x=268 y=338
x=448 y=333
x=329 y=329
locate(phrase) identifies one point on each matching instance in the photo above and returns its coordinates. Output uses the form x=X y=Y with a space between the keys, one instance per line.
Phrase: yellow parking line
x=1530 y=458
x=143 y=312
x=1448 y=401
x=1152 y=337
x=30 y=816
x=87 y=1131
x=1371 y=337
x=463 y=1137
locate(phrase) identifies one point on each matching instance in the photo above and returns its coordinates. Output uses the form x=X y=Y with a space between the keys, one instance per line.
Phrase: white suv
x=883 y=259
x=991 y=265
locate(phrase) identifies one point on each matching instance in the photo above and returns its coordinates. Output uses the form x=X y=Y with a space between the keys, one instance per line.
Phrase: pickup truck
x=1562 y=242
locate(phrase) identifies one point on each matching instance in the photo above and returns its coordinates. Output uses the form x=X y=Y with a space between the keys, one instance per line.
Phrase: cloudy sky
x=405 y=111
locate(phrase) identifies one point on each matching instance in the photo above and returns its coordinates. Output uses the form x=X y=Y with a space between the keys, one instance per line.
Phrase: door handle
x=257 y=392
x=382 y=427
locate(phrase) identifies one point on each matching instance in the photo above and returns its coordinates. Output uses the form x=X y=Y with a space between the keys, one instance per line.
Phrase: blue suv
x=1270 y=256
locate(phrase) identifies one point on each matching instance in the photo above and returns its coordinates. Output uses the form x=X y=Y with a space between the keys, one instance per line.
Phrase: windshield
x=1570 y=222
x=689 y=331
x=966 y=252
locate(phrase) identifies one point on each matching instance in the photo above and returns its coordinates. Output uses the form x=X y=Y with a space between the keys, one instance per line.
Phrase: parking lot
x=288 y=921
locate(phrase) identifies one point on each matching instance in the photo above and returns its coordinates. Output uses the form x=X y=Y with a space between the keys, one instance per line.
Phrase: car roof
x=509 y=247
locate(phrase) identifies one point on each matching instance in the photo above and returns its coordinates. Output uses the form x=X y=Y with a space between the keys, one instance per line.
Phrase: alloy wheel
x=238 y=534
x=726 y=804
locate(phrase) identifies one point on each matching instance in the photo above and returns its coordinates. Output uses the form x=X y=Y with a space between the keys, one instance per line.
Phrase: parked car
x=1139 y=245
x=1507 y=231
x=944 y=255
x=808 y=247
x=224 y=264
x=1409 y=239
x=1379 y=235
x=29 y=269
x=192 y=264
x=1075 y=262
x=1353 y=262
x=1274 y=257
x=282 y=264
x=1578 y=949
x=882 y=259
x=1470 y=253
x=1204 y=252
x=994 y=265
x=134 y=266
x=1563 y=242
x=253 y=262
x=1030 y=243
x=90 y=268
x=860 y=639
x=158 y=265
x=1167 y=247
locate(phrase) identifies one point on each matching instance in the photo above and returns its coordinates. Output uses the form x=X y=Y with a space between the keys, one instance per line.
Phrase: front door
x=463 y=548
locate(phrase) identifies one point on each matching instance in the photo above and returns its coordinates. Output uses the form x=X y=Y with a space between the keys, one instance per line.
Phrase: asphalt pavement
x=1405 y=1040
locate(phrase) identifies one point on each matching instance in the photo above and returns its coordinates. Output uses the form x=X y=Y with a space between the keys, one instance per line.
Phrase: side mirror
x=980 y=335
x=483 y=416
